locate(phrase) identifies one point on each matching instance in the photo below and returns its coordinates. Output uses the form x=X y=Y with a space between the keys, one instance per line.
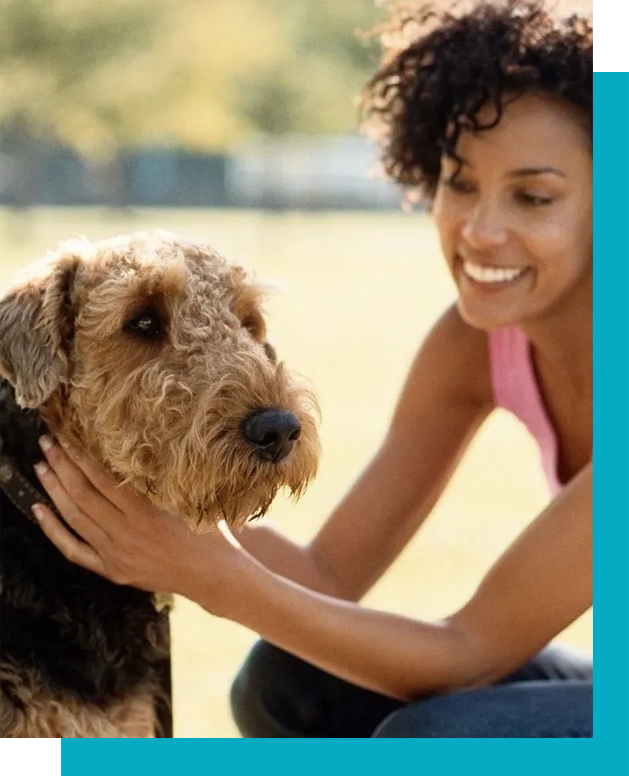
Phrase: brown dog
x=150 y=353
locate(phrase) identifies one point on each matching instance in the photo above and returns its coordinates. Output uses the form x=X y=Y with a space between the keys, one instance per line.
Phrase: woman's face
x=516 y=222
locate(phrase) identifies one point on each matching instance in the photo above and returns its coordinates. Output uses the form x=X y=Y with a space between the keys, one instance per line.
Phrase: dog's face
x=151 y=353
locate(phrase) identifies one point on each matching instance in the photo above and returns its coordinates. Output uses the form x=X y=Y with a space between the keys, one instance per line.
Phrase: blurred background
x=236 y=123
x=185 y=103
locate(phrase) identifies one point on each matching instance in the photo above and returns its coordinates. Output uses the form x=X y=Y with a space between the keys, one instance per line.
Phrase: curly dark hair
x=440 y=67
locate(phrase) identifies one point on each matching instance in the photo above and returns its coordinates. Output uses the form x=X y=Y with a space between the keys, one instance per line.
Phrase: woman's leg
x=276 y=695
x=549 y=697
x=554 y=663
x=530 y=709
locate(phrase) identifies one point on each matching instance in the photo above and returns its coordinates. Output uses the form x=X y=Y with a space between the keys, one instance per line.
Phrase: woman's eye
x=458 y=185
x=528 y=198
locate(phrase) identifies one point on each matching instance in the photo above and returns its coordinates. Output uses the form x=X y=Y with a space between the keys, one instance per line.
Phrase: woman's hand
x=126 y=538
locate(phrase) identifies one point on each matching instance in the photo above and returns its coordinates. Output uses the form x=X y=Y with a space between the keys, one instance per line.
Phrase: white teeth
x=491 y=274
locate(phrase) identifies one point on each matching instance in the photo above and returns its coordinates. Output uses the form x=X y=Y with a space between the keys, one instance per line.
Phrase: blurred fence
x=291 y=172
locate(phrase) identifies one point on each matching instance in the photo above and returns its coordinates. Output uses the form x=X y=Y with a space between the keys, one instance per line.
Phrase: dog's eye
x=147 y=325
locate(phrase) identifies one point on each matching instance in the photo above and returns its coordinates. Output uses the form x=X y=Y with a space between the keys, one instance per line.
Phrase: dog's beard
x=246 y=494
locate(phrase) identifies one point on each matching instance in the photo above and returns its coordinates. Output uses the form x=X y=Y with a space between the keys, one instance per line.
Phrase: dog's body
x=150 y=354
x=80 y=656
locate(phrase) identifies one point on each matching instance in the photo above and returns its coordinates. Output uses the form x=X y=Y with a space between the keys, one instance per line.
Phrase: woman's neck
x=563 y=342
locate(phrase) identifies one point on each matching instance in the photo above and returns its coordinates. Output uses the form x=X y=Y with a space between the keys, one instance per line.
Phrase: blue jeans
x=276 y=695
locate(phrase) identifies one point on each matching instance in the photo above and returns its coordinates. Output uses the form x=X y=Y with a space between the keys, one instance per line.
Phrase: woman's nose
x=484 y=226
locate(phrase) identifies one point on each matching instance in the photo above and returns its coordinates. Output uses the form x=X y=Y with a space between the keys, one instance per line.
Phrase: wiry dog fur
x=149 y=353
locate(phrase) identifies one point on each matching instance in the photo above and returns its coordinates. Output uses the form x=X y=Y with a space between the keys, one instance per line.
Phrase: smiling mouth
x=491 y=276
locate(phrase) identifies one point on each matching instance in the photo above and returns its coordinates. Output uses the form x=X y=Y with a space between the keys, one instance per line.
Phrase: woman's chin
x=484 y=318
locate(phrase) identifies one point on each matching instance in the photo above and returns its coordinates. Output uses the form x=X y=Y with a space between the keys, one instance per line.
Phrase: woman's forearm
x=286 y=558
x=387 y=653
x=531 y=593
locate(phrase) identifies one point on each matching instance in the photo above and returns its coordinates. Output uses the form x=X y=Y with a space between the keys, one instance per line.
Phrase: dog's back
x=79 y=656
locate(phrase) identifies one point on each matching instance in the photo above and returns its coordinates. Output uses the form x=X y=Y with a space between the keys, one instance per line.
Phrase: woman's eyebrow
x=520 y=172
x=523 y=172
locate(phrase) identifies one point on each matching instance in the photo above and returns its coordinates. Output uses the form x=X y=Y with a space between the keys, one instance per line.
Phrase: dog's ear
x=36 y=324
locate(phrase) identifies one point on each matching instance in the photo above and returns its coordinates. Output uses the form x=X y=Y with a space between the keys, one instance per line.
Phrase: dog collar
x=18 y=489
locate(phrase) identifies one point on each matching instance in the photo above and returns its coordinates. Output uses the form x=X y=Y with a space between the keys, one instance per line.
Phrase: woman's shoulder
x=452 y=327
x=463 y=354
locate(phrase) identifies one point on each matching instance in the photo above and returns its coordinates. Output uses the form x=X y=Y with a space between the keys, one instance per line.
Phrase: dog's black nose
x=272 y=432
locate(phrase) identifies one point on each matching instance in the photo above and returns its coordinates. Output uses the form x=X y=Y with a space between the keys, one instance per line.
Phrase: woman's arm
x=538 y=587
x=545 y=579
x=541 y=584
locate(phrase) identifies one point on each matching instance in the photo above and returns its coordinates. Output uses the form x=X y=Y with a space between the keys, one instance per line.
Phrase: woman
x=488 y=115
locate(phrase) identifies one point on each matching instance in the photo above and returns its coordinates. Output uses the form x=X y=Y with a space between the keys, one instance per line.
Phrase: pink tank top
x=515 y=389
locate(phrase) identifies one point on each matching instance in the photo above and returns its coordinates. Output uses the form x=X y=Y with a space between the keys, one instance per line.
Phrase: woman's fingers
x=72 y=548
x=69 y=509
x=122 y=497
x=71 y=491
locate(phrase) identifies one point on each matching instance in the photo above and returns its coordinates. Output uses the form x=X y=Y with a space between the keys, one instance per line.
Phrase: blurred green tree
x=100 y=76
x=75 y=71
x=271 y=66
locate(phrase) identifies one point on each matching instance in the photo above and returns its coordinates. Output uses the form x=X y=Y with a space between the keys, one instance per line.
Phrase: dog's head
x=151 y=353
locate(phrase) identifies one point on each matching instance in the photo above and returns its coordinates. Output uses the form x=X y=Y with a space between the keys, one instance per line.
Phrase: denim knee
x=251 y=697
x=533 y=709
x=277 y=695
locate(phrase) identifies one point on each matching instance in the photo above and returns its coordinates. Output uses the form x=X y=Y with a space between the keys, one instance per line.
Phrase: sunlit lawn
x=358 y=293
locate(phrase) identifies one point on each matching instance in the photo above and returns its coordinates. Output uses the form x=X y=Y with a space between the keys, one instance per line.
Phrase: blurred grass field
x=358 y=292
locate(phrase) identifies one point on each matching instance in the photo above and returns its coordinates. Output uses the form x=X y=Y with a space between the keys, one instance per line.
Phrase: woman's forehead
x=532 y=131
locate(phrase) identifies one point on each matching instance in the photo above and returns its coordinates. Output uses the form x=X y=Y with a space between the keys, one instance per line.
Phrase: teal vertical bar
x=611 y=409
